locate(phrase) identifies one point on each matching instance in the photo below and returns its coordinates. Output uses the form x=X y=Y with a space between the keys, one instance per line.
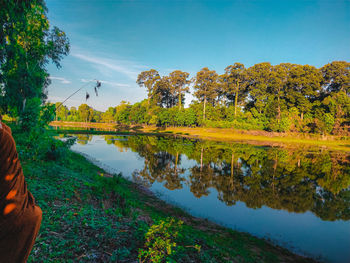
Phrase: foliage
x=27 y=46
x=160 y=241
x=281 y=98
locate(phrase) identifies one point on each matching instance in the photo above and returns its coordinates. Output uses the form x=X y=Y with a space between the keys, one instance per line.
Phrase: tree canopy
x=27 y=45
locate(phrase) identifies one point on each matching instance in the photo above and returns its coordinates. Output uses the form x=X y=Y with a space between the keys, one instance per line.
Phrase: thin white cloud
x=130 y=69
x=62 y=80
x=111 y=83
x=86 y=80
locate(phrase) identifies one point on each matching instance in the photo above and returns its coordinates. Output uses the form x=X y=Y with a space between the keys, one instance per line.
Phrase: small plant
x=160 y=241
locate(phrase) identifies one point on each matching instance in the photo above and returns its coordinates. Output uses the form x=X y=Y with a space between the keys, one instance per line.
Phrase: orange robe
x=20 y=218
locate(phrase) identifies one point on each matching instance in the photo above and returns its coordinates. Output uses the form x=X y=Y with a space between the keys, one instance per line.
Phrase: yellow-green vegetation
x=91 y=217
x=219 y=134
x=160 y=240
x=335 y=143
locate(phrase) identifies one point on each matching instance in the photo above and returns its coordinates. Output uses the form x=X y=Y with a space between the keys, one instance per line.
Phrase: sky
x=113 y=41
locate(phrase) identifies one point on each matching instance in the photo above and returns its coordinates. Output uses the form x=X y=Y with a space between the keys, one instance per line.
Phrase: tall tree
x=162 y=93
x=62 y=112
x=260 y=79
x=235 y=82
x=109 y=115
x=148 y=79
x=179 y=83
x=278 y=88
x=337 y=76
x=85 y=112
x=205 y=84
x=304 y=86
x=27 y=45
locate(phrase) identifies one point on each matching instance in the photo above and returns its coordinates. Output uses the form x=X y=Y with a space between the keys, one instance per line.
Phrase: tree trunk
x=232 y=165
x=180 y=99
x=201 y=159
x=236 y=100
x=205 y=101
x=278 y=110
x=176 y=160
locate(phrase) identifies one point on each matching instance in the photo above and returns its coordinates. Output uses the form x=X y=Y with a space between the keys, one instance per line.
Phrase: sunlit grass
x=287 y=140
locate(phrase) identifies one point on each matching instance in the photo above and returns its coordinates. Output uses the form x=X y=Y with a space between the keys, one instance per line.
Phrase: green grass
x=92 y=218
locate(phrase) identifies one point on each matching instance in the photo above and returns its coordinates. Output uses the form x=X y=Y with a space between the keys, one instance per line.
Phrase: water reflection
x=295 y=180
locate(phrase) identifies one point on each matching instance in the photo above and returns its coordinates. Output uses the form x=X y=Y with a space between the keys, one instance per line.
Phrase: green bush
x=160 y=241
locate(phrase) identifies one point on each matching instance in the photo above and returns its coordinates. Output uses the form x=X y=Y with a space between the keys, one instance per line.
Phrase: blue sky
x=113 y=41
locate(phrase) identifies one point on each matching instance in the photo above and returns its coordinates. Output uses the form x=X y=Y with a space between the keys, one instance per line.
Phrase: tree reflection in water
x=296 y=180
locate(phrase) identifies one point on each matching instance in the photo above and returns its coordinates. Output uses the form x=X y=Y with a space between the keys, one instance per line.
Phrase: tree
x=205 y=84
x=109 y=115
x=260 y=79
x=179 y=84
x=235 y=82
x=336 y=76
x=278 y=89
x=148 y=79
x=73 y=114
x=85 y=112
x=338 y=105
x=62 y=112
x=27 y=46
x=304 y=87
x=162 y=93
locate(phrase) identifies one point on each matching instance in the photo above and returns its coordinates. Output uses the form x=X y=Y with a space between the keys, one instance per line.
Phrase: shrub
x=160 y=241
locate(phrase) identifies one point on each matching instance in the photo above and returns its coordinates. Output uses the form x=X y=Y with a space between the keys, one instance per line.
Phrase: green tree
x=73 y=114
x=163 y=95
x=205 y=86
x=336 y=76
x=97 y=116
x=235 y=81
x=62 y=112
x=278 y=89
x=304 y=87
x=109 y=115
x=86 y=113
x=27 y=46
x=260 y=79
x=148 y=79
x=179 y=84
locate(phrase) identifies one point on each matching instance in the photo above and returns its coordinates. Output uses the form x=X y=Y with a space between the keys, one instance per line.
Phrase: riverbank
x=219 y=134
x=90 y=215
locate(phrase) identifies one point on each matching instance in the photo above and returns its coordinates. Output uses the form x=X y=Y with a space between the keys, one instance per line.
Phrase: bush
x=160 y=240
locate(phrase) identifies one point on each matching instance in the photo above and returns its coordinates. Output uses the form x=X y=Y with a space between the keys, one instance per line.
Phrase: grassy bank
x=219 y=134
x=89 y=216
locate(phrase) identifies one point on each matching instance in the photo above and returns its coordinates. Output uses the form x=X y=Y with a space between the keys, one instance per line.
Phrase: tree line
x=285 y=97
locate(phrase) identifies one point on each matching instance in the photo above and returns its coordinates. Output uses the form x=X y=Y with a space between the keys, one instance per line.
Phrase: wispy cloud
x=111 y=83
x=128 y=68
x=62 y=80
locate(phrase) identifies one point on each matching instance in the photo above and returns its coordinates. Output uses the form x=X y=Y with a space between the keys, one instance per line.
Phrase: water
x=299 y=198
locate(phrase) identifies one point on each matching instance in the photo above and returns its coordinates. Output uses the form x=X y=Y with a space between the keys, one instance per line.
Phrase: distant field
x=221 y=134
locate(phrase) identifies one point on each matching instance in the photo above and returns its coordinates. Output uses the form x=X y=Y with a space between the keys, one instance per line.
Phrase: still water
x=299 y=198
